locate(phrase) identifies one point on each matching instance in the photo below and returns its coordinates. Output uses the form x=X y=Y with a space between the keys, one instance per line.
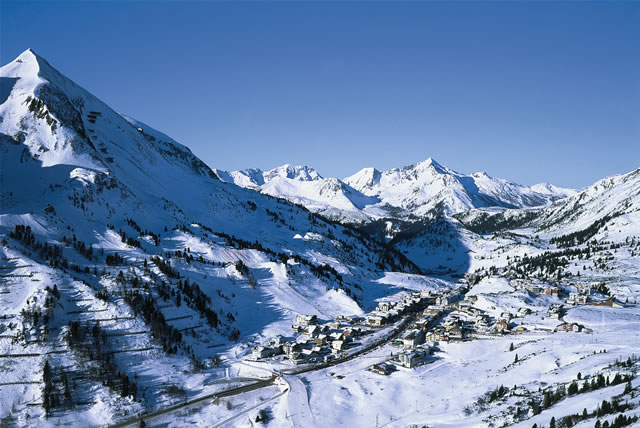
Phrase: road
x=298 y=402
x=229 y=392
x=301 y=412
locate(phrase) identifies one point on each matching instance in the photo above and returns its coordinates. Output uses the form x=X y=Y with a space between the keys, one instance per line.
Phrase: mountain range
x=135 y=278
x=415 y=191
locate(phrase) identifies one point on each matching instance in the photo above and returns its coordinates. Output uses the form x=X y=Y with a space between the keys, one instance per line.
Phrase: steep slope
x=148 y=249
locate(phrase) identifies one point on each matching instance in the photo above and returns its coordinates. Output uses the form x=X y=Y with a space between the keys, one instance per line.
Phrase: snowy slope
x=106 y=203
x=611 y=203
x=112 y=227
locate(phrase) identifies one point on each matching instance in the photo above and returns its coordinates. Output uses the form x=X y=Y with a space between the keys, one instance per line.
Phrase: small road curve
x=299 y=409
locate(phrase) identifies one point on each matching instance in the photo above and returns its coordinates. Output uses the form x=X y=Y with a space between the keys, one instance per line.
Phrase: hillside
x=105 y=218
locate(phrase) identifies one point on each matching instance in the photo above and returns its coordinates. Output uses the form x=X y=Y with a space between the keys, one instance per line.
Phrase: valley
x=139 y=285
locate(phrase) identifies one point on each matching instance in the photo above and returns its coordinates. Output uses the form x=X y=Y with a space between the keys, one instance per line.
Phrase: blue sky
x=528 y=91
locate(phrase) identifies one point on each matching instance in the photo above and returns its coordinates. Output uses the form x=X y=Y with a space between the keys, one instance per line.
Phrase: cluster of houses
x=581 y=297
x=570 y=326
x=387 y=311
x=317 y=342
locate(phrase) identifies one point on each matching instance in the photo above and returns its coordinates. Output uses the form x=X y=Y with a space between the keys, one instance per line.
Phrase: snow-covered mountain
x=136 y=282
x=62 y=147
x=118 y=215
x=429 y=186
x=613 y=202
x=303 y=185
x=413 y=191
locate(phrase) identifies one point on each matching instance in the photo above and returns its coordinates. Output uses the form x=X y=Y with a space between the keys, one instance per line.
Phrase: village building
x=502 y=326
x=383 y=369
x=374 y=320
x=456 y=333
x=522 y=312
x=384 y=306
x=312 y=331
x=321 y=339
x=611 y=303
x=260 y=352
x=413 y=338
x=569 y=327
x=338 y=345
x=411 y=359
x=584 y=289
x=306 y=320
x=290 y=348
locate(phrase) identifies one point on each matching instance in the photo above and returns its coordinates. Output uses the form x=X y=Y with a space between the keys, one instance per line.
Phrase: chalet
x=436 y=336
x=338 y=345
x=276 y=341
x=550 y=291
x=506 y=316
x=336 y=335
x=432 y=312
x=502 y=326
x=374 y=320
x=423 y=322
x=584 y=289
x=312 y=331
x=555 y=312
x=383 y=369
x=290 y=348
x=425 y=294
x=306 y=320
x=384 y=306
x=321 y=339
x=572 y=327
x=411 y=359
x=264 y=352
x=456 y=333
x=352 y=332
x=482 y=321
x=577 y=299
x=611 y=303
x=295 y=357
x=442 y=300
x=413 y=338
x=310 y=354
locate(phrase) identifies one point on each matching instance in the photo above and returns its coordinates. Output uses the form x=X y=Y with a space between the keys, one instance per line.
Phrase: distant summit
x=416 y=190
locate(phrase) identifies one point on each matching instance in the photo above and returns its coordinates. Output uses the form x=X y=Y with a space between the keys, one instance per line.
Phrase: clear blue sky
x=535 y=91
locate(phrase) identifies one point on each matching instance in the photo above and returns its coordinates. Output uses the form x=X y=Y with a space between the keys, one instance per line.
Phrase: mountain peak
x=33 y=71
x=365 y=179
x=294 y=172
x=27 y=64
